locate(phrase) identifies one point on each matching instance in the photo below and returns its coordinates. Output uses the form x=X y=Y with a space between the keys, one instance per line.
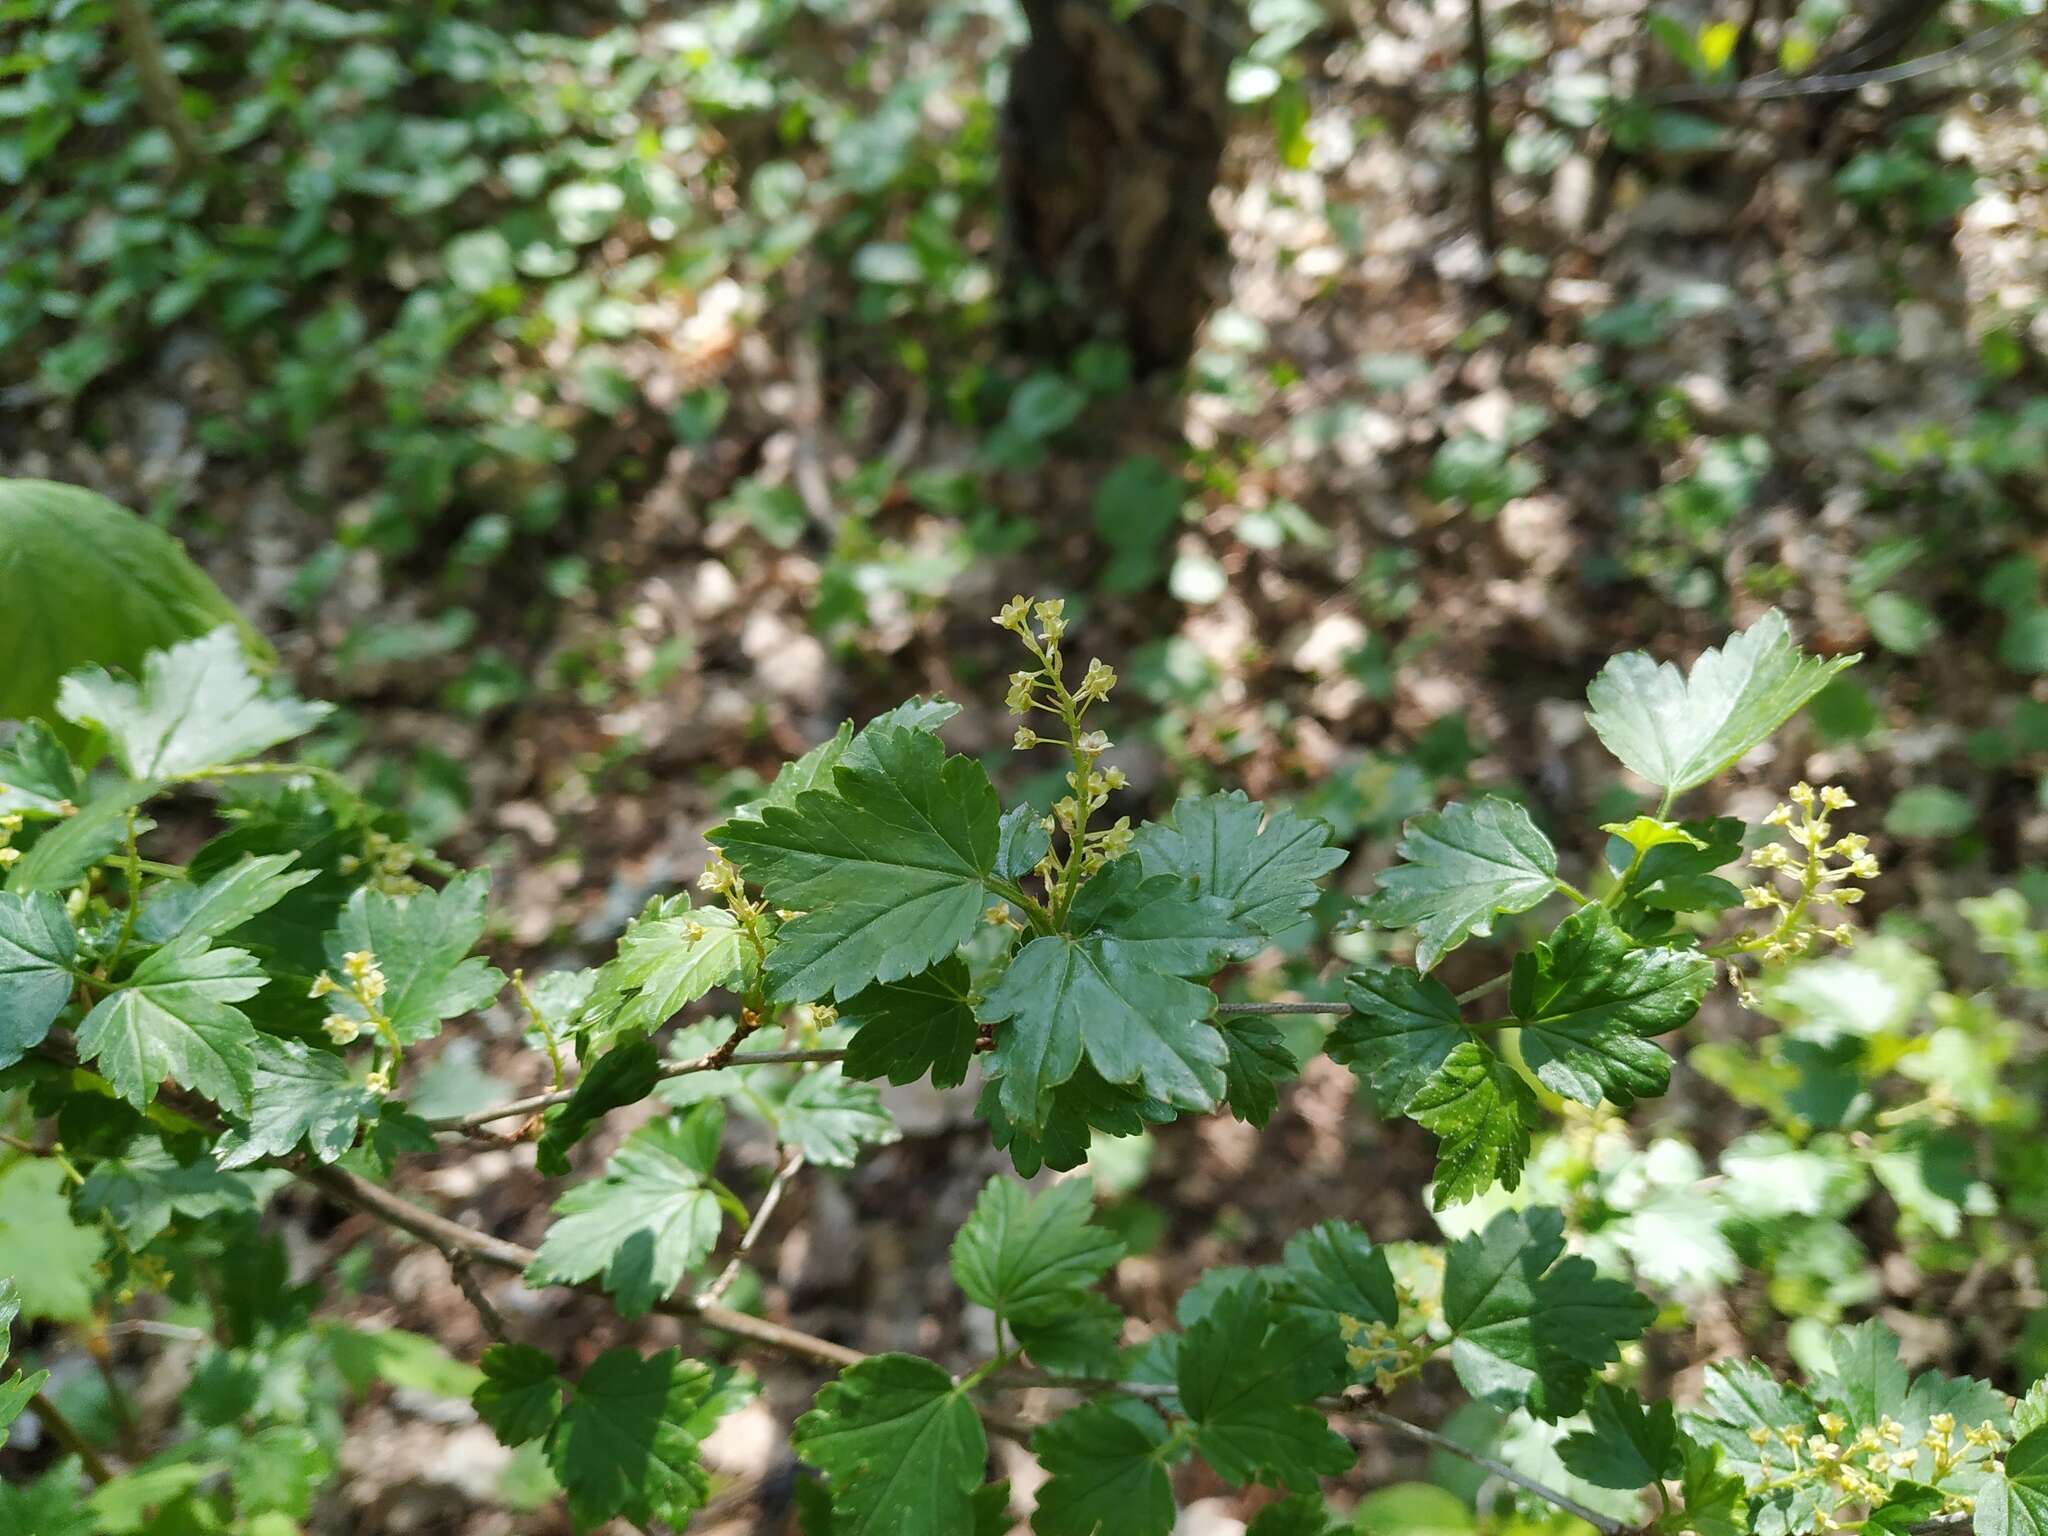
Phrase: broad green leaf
x=903 y=1030
x=1463 y=866
x=628 y=1442
x=1401 y=1029
x=37 y=777
x=1745 y=1411
x=2032 y=1411
x=1248 y=1375
x=2014 y=1501
x=814 y=769
x=86 y=582
x=902 y=1446
x=623 y=1075
x=1084 y=1103
x=173 y=1018
x=1869 y=1379
x=128 y=1505
x=1029 y=1259
x=1266 y=867
x=668 y=957
x=653 y=1216
x=1305 y=1514
x=399 y=1358
x=1021 y=841
x=230 y=899
x=143 y=1191
x=1678 y=731
x=422 y=942
x=37 y=947
x=890 y=867
x=299 y=1093
x=198 y=706
x=1333 y=1270
x=1711 y=1500
x=1589 y=1003
x=1106 y=1466
x=1259 y=1062
x=520 y=1396
x=49 y=1257
x=1909 y=1505
x=1114 y=987
x=64 y=854
x=1480 y=1111
x=1530 y=1325
x=1081 y=1341
x=1626 y=1444
x=829 y=1117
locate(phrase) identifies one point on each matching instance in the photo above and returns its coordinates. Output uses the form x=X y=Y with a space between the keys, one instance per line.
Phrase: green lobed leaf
x=197 y=706
x=1303 y=1514
x=2014 y=1501
x=520 y=1396
x=173 y=1017
x=648 y=1221
x=1589 y=1001
x=231 y=899
x=1401 y=1029
x=49 y=1505
x=890 y=867
x=64 y=854
x=1711 y=1500
x=828 y=1117
x=37 y=776
x=1106 y=1470
x=627 y=1444
x=1259 y=1062
x=18 y=1387
x=669 y=956
x=422 y=942
x=299 y=1094
x=62 y=550
x=52 y=1260
x=1678 y=731
x=1248 y=1374
x=1266 y=867
x=1463 y=866
x=1480 y=1111
x=1030 y=1259
x=1626 y=1444
x=623 y=1075
x=1333 y=1271
x=37 y=947
x=1114 y=987
x=143 y=1191
x=1530 y=1325
x=1021 y=841
x=902 y=1445
x=922 y=1024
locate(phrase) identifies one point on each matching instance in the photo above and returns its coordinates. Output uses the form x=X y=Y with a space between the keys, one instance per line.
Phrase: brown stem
x=1482 y=130
x=791 y=1166
x=535 y=1102
x=159 y=86
x=66 y=1434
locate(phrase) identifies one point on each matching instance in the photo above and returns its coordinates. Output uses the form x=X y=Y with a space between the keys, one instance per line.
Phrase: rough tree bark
x=1113 y=135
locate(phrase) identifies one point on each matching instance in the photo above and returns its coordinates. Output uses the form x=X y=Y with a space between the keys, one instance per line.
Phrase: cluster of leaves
x=192 y=1037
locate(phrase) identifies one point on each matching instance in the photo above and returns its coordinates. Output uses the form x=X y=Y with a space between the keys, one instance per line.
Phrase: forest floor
x=1436 y=493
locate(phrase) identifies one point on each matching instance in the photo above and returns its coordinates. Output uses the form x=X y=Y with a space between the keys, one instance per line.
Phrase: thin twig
x=791 y=1166
x=66 y=1434
x=464 y=1269
x=1607 y=1525
x=160 y=93
x=1482 y=131
x=709 y=1063
x=1228 y=1008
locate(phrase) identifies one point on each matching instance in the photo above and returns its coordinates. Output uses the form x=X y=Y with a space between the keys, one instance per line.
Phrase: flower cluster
x=1379 y=1354
x=386 y=861
x=1044 y=688
x=9 y=825
x=1859 y=1472
x=1815 y=879
x=364 y=986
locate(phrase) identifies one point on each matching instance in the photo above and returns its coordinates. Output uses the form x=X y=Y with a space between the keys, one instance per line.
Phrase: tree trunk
x=1113 y=136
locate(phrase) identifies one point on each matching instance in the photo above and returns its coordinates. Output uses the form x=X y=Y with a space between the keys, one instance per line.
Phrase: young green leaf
x=64 y=854
x=1029 y=1260
x=890 y=867
x=1627 y=1444
x=1678 y=731
x=1401 y=1029
x=1302 y=1514
x=651 y=1218
x=1746 y=1412
x=173 y=1017
x=142 y=1192
x=903 y=1030
x=299 y=1093
x=1260 y=1061
x=1333 y=1270
x=628 y=1442
x=1480 y=1111
x=1530 y=1325
x=229 y=900
x=1589 y=1002
x=198 y=706
x=1464 y=865
x=623 y=1075
x=2014 y=1500
x=668 y=957
x=1248 y=1375
x=37 y=777
x=1114 y=987
x=422 y=944
x=1711 y=1500
x=828 y=1117
x=50 y=1258
x=1021 y=841
x=902 y=1445
x=1266 y=867
x=37 y=947
x=520 y=1396
x=1106 y=1465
